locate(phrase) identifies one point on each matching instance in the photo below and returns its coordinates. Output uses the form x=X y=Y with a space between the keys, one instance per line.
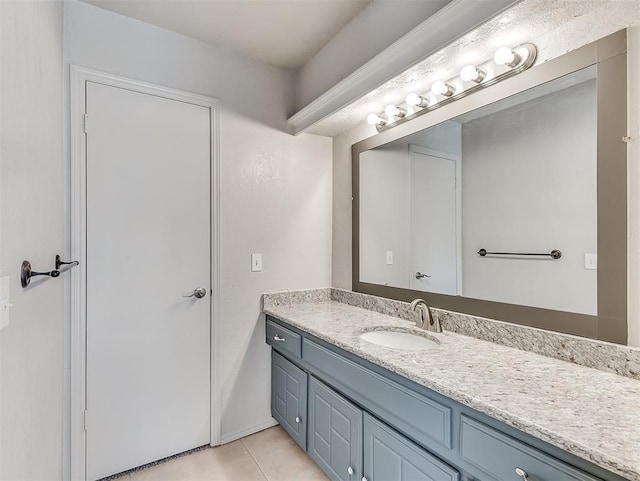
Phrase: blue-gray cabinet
x=384 y=397
x=334 y=433
x=388 y=456
x=366 y=423
x=289 y=398
x=499 y=456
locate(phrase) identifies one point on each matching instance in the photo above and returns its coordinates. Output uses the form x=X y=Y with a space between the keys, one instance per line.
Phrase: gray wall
x=529 y=185
x=31 y=227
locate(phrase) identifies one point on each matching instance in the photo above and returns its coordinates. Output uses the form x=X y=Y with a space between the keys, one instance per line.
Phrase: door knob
x=198 y=293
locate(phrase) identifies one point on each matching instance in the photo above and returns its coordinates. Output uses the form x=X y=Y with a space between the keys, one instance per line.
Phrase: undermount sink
x=399 y=340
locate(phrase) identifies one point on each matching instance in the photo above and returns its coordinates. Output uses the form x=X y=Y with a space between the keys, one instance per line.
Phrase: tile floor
x=270 y=455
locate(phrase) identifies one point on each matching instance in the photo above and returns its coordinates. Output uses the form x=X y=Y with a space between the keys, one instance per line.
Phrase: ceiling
x=283 y=33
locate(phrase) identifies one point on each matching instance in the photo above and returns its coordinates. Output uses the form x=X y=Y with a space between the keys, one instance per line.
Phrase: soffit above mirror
x=554 y=26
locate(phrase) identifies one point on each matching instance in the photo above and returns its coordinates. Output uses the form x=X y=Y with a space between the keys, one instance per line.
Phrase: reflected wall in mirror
x=465 y=206
x=516 y=176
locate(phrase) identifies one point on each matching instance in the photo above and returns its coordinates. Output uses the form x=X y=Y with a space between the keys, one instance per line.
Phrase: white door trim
x=78 y=77
x=457 y=158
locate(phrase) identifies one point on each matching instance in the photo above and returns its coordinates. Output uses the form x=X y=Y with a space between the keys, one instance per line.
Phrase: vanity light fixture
x=440 y=87
x=377 y=120
x=505 y=63
x=394 y=111
x=471 y=73
x=415 y=100
x=506 y=56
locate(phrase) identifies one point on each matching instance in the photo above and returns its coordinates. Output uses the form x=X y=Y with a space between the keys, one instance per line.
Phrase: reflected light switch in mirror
x=591 y=261
x=389 y=258
x=256 y=262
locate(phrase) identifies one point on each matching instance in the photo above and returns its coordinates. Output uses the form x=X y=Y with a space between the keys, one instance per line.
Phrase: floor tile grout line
x=254 y=459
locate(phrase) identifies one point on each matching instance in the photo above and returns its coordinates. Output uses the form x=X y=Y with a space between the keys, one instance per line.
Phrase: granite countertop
x=586 y=412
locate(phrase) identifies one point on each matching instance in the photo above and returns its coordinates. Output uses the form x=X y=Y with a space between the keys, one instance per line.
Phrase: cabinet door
x=335 y=433
x=289 y=398
x=389 y=456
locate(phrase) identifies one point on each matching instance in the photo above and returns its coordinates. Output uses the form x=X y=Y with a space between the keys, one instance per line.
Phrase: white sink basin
x=399 y=340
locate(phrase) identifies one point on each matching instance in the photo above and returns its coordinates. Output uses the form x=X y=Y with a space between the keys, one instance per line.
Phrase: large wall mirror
x=509 y=203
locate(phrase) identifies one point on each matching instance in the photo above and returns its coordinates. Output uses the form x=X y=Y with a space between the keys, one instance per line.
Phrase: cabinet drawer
x=390 y=456
x=498 y=456
x=283 y=339
x=289 y=398
x=421 y=418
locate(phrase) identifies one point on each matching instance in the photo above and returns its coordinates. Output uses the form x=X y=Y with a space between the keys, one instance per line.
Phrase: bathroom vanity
x=461 y=409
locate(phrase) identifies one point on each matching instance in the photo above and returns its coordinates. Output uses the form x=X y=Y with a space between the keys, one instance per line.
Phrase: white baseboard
x=227 y=438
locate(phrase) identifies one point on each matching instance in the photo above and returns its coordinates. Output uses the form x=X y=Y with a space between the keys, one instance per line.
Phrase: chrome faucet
x=427 y=320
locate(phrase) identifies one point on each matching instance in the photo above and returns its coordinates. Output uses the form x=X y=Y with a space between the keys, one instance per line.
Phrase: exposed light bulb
x=392 y=111
x=441 y=88
x=375 y=119
x=471 y=73
x=415 y=100
x=506 y=56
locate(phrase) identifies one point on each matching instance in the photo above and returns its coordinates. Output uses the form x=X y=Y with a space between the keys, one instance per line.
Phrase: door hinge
x=85 y=420
x=86 y=123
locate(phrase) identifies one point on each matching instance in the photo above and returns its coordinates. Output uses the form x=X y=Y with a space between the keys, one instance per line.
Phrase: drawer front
x=499 y=455
x=390 y=456
x=289 y=398
x=335 y=433
x=423 y=419
x=283 y=339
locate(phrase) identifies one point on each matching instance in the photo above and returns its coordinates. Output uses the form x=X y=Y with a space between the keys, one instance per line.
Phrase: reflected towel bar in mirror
x=554 y=254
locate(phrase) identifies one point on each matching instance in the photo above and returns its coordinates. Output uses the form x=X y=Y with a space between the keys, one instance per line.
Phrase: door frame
x=78 y=78
x=457 y=159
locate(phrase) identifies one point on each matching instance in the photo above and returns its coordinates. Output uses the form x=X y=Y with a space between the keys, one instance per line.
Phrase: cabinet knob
x=364 y=478
x=278 y=338
x=522 y=473
x=298 y=419
x=350 y=470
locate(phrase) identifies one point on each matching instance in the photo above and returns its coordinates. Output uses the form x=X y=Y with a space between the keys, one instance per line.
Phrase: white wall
x=529 y=185
x=275 y=188
x=31 y=227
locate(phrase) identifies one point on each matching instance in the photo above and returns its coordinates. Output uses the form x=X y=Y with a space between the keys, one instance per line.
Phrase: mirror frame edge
x=610 y=324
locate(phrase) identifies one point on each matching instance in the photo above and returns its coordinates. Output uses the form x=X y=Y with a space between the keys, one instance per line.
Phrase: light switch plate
x=5 y=301
x=256 y=262
x=389 y=258
x=591 y=261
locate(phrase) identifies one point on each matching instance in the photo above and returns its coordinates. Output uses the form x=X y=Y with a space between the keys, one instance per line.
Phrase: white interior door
x=434 y=222
x=148 y=244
